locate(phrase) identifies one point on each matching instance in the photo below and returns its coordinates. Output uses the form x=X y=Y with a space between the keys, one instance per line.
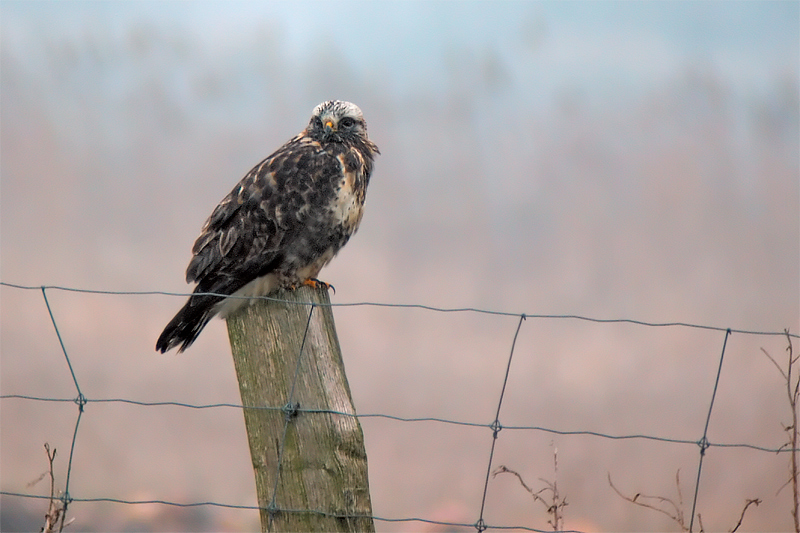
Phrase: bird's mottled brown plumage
x=284 y=221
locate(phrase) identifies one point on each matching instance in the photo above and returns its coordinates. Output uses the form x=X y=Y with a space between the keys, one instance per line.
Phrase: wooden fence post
x=320 y=483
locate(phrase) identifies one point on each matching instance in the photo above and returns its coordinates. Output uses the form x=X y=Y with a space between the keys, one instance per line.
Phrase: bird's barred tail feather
x=184 y=328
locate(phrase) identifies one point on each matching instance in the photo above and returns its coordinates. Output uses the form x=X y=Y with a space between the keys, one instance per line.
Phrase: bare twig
x=54 y=519
x=677 y=513
x=793 y=396
x=755 y=502
x=503 y=469
x=558 y=502
x=555 y=504
x=54 y=510
x=774 y=362
x=36 y=481
x=793 y=393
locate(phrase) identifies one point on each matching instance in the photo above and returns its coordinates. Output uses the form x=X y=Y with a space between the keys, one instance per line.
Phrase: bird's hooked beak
x=329 y=127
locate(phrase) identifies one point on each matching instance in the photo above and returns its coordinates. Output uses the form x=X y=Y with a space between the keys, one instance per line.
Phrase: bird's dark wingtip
x=167 y=340
x=187 y=324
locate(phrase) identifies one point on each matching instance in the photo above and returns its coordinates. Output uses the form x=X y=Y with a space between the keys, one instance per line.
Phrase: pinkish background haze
x=613 y=160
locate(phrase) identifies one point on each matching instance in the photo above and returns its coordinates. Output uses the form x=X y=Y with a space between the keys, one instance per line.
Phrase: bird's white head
x=337 y=121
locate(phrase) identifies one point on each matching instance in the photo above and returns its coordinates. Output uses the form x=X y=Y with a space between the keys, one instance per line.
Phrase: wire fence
x=495 y=428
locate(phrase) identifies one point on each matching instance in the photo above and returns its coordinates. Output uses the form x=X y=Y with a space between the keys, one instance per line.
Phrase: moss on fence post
x=323 y=464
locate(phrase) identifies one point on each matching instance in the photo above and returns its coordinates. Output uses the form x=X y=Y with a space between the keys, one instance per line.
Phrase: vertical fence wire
x=289 y=412
x=80 y=400
x=480 y=525
x=704 y=441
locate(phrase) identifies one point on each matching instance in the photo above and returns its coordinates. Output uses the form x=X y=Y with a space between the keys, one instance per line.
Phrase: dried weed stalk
x=554 y=504
x=54 y=519
x=674 y=509
x=793 y=393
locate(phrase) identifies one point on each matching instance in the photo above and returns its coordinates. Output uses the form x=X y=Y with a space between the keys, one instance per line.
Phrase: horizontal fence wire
x=494 y=427
x=297 y=511
x=409 y=306
x=364 y=416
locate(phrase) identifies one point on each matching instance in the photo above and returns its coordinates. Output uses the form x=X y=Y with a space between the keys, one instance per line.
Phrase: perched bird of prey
x=282 y=223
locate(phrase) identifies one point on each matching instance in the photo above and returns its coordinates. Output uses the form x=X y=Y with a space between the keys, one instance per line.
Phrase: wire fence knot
x=704 y=445
x=273 y=511
x=480 y=525
x=290 y=410
x=495 y=427
x=80 y=401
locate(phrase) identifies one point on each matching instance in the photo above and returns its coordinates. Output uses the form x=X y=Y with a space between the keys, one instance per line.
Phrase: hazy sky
x=629 y=45
x=615 y=160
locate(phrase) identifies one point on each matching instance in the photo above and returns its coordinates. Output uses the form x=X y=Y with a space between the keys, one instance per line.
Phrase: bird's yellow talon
x=317 y=284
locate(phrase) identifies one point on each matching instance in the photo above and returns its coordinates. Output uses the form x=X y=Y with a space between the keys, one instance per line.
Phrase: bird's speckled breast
x=349 y=205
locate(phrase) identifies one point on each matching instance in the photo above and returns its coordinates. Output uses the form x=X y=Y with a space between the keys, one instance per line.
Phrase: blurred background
x=613 y=160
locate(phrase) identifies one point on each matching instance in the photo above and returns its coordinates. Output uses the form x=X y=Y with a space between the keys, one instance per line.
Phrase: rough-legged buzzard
x=282 y=223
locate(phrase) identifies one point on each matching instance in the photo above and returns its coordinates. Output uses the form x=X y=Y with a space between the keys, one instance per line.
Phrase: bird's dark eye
x=316 y=122
x=347 y=122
